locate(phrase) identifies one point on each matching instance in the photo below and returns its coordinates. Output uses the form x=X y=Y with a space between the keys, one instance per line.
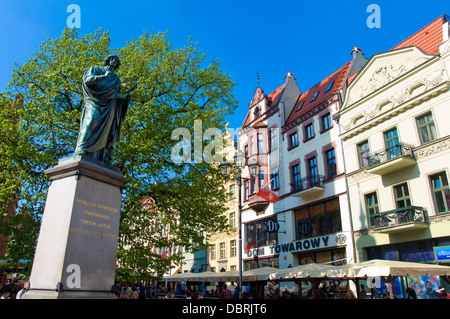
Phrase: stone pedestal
x=77 y=246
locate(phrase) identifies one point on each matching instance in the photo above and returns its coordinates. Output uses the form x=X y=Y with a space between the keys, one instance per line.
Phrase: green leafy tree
x=166 y=204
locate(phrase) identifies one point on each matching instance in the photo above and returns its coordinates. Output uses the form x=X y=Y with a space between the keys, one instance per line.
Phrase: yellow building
x=223 y=254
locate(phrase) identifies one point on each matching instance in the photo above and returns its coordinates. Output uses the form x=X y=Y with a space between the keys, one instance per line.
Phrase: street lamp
x=254 y=168
x=225 y=169
x=240 y=160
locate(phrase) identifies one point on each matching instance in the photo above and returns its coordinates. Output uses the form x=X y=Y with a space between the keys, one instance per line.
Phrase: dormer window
x=314 y=97
x=299 y=107
x=329 y=87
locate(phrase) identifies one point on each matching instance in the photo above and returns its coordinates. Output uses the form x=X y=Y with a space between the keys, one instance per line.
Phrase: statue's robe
x=104 y=111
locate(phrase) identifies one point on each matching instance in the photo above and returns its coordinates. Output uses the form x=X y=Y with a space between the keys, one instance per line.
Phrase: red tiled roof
x=351 y=77
x=274 y=96
x=337 y=77
x=428 y=38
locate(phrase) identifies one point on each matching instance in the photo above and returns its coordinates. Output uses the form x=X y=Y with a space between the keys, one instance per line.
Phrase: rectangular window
x=401 y=194
x=319 y=219
x=233 y=220
x=246 y=190
x=252 y=151
x=275 y=182
x=273 y=139
x=296 y=177
x=261 y=179
x=427 y=130
x=314 y=97
x=213 y=252
x=233 y=248
x=440 y=192
x=392 y=144
x=293 y=139
x=372 y=208
x=363 y=154
x=232 y=191
x=259 y=233
x=223 y=251
x=333 y=210
x=260 y=143
x=309 y=131
x=303 y=223
x=326 y=122
x=331 y=163
x=253 y=185
x=317 y=216
x=313 y=174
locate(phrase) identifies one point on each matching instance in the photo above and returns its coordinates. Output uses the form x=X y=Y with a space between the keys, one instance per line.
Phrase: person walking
x=134 y=294
x=410 y=293
x=225 y=294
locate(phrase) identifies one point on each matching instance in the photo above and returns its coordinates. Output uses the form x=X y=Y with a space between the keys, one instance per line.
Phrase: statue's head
x=112 y=60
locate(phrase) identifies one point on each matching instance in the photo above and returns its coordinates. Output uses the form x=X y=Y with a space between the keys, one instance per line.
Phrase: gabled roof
x=272 y=99
x=275 y=95
x=320 y=88
x=428 y=39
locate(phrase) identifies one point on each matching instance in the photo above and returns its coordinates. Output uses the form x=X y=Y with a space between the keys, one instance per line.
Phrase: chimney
x=358 y=60
x=445 y=30
x=355 y=52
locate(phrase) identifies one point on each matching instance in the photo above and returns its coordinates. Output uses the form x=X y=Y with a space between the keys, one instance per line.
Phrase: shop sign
x=442 y=253
x=301 y=245
x=272 y=226
x=320 y=242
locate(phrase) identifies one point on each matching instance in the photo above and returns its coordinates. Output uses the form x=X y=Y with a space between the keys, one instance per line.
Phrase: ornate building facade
x=295 y=138
x=396 y=143
x=223 y=246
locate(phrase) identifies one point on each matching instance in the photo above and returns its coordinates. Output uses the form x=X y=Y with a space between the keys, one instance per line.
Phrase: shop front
x=260 y=235
x=433 y=251
x=329 y=248
x=319 y=233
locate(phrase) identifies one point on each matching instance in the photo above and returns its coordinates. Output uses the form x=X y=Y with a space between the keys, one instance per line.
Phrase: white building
x=295 y=138
x=396 y=142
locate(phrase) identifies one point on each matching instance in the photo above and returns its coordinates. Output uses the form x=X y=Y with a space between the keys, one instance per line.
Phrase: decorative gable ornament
x=382 y=69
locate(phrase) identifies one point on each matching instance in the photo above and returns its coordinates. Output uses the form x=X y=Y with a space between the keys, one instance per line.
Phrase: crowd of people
x=137 y=290
x=15 y=288
x=154 y=291
x=11 y=288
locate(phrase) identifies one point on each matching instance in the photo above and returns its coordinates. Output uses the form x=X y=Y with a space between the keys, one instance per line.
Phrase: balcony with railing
x=401 y=219
x=308 y=186
x=391 y=159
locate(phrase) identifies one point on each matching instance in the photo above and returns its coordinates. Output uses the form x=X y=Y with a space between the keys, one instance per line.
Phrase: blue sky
x=308 y=38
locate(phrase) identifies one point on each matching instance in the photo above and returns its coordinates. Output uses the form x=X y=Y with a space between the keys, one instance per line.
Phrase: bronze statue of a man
x=104 y=111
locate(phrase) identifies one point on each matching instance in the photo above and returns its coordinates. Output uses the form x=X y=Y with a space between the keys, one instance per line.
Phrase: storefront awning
x=371 y=268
